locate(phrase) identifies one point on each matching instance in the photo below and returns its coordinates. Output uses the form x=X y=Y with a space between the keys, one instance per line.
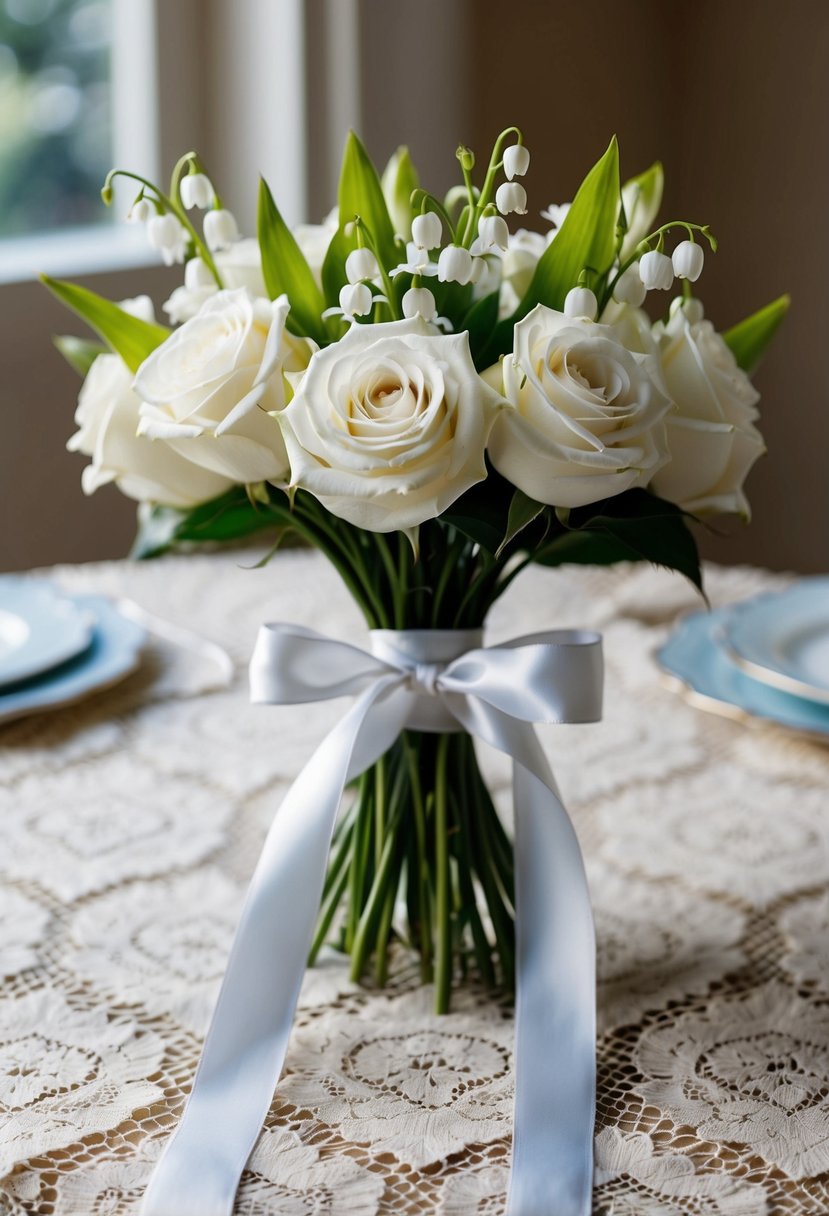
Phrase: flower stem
x=443 y=902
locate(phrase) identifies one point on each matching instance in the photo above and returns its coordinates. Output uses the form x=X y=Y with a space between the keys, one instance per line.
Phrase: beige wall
x=732 y=95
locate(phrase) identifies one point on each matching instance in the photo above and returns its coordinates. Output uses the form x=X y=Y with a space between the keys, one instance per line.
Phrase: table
x=131 y=822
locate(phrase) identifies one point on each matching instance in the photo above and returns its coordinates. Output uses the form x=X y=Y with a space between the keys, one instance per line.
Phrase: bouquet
x=434 y=401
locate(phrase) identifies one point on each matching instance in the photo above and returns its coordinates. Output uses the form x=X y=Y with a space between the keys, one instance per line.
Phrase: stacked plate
x=767 y=657
x=56 y=648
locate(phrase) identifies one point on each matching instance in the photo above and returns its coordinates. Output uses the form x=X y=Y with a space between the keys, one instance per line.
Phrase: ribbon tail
x=555 y=1016
x=245 y=1048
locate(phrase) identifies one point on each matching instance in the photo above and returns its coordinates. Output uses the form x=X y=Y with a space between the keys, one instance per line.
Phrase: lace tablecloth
x=130 y=824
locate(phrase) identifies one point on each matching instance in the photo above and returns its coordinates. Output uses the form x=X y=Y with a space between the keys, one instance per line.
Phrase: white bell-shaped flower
x=355 y=299
x=516 y=161
x=581 y=302
x=687 y=260
x=455 y=265
x=197 y=191
x=493 y=232
x=426 y=230
x=220 y=229
x=511 y=196
x=630 y=289
x=166 y=234
x=656 y=271
x=361 y=264
x=419 y=302
x=692 y=309
x=197 y=275
x=141 y=211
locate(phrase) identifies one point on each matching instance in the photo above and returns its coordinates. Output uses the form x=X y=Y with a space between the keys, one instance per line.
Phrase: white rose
x=390 y=424
x=213 y=388
x=712 y=439
x=587 y=413
x=148 y=471
x=240 y=265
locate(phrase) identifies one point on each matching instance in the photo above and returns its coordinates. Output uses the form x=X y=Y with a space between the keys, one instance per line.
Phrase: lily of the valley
x=630 y=289
x=140 y=211
x=419 y=302
x=166 y=234
x=361 y=264
x=426 y=230
x=220 y=229
x=656 y=271
x=355 y=299
x=455 y=265
x=511 y=196
x=493 y=233
x=687 y=260
x=197 y=191
x=516 y=161
x=581 y=302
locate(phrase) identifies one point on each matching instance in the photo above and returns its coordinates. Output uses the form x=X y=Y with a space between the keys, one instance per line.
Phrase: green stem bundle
x=422 y=856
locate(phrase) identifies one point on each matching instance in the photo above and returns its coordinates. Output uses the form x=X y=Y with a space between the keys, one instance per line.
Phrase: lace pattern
x=132 y=822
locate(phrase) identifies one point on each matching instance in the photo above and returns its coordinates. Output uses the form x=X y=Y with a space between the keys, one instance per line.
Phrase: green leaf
x=522 y=511
x=78 y=352
x=641 y=199
x=480 y=321
x=634 y=526
x=482 y=513
x=285 y=270
x=128 y=336
x=360 y=193
x=228 y=517
x=587 y=237
x=333 y=267
x=399 y=183
x=750 y=339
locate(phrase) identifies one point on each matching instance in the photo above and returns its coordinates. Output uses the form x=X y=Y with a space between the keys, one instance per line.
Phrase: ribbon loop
x=434 y=680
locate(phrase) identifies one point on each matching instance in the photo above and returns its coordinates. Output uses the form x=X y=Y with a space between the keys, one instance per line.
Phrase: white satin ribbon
x=433 y=680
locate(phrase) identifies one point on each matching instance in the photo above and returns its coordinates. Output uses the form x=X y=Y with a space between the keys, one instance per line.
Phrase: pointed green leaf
x=522 y=511
x=750 y=338
x=587 y=237
x=130 y=337
x=641 y=198
x=78 y=352
x=333 y=267
x=635 y=526
x=285 y=270
x=360 y=193
x=399 y=183
x=228 y=517
x=479 y=322
x=483 y=511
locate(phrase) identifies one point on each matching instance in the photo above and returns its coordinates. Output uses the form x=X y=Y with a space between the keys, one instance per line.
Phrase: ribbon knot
x=434 y=680
x=425 y=676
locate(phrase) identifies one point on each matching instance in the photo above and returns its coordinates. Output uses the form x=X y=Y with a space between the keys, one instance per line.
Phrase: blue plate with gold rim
x=696 y=657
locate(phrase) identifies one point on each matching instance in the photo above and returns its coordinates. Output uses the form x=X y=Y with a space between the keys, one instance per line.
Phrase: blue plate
x=114 y=652
x=694 y=655
x=783 y=638
x=40 y=627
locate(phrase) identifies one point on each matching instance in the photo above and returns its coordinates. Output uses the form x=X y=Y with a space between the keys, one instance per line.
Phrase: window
x=77 y=90
x=55 y=113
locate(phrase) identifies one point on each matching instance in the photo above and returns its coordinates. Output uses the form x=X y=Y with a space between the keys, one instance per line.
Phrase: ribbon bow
x=435 y=680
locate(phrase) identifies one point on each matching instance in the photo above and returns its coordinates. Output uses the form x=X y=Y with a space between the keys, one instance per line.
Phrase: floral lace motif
x=132 y=822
